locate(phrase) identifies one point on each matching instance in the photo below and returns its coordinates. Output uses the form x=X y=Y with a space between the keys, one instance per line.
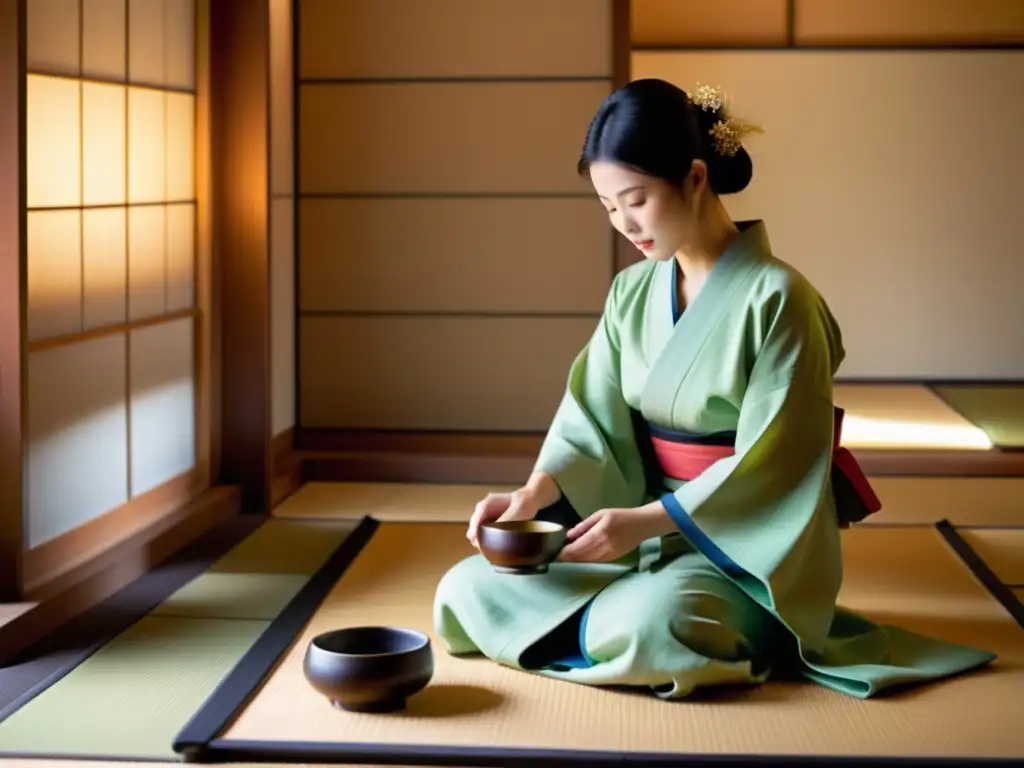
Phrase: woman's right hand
x=517 y=505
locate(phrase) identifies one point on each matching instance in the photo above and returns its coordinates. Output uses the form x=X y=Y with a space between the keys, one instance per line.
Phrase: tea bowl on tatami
x=369 y=669
x=521 y=546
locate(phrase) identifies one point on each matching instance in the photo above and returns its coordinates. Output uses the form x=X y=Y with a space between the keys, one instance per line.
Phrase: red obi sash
x=684 y=457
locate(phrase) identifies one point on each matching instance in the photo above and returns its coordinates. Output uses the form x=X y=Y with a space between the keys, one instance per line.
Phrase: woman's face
x=657 y=217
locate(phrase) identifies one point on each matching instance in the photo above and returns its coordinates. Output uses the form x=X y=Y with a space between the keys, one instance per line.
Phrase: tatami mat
x=968 y=501
x=903 y=576
x=133 y=695
x=285 y=546
x=999 y=410
x=387 y=502
x=903 y=417
x=1002 y=551
x=131 y=698
x=233 y=596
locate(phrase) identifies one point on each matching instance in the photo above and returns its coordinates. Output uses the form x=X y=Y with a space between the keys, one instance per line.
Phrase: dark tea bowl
x=521 y=547
x=369 y=669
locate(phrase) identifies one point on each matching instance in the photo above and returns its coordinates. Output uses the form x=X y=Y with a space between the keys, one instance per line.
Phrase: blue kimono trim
x=582 y=659
x=676 y=314
x=698 y=538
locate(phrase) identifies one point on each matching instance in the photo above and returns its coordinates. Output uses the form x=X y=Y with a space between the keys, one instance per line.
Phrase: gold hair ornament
x=728 y=132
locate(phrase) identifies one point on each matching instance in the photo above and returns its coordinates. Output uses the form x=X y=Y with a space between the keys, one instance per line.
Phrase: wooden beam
x=403 y=456
x=207 y=332
x=239 y=149
x=12 y=293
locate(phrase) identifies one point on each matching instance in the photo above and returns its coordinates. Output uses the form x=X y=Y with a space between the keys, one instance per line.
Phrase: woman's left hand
x=608 y=534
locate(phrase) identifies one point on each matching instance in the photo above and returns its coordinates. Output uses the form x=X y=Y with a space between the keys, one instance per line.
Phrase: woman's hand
x=517 y=505
x=539 y=492
x=608 y=534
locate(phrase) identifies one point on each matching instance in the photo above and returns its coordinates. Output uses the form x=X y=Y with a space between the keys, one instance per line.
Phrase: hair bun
x=729 y=174
x=730 y=167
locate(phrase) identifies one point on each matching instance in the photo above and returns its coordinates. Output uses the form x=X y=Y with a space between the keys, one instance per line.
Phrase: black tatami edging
x=226 y=751
x=249 y=673
x=981 y=570
x=55 y=657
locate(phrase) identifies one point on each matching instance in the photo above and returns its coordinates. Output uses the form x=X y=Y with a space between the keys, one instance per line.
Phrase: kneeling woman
x=694 y=455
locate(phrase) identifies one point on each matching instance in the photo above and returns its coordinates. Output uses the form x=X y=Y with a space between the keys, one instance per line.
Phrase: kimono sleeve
x=765 y=515
x=590 y=449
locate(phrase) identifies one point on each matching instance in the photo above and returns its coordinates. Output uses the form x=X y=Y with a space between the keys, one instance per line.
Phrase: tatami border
x=981 y=570
x=253 y=668
x=245 y=751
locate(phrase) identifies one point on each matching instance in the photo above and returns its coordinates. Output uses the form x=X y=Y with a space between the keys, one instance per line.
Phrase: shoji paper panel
x=908 y=22
x=147 y=262
x=162 y=42
x=179 y=44
x=103 y=39
x=53 y=38
x=461 y=373
x=446 y=38
x=77 y=451
x=105 y=267
x=455 y=255
x=147 y=153
x=162 y=403
x=181 y=256
x=53 y=137
x=858 y=188
x=180 y=176
x=104 y=114
x=708 y=22
x=282 y=314
x=445 y=137
x=54 y=273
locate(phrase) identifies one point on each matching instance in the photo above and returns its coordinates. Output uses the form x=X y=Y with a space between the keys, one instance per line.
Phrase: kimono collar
x=753 y=240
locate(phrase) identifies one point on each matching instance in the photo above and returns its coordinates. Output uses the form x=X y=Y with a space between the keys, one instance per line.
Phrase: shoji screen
x=451 y=264
x=111 y=253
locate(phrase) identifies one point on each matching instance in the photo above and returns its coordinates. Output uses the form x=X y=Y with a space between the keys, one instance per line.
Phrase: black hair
x=653 y=127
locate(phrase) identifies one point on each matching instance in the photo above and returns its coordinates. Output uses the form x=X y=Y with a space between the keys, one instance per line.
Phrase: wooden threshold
x=30 y=621
x=54 y=566
x=378 y=456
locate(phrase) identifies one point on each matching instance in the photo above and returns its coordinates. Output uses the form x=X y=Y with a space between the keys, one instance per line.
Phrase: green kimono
x=748 y=585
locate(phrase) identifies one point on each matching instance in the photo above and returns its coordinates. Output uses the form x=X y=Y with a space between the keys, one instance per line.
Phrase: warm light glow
x=861 y=432
x=181 y=155
x=146 y=154
x=146 y=261
x=54 y=273
x=53 y=138
x=105 y=263
x=103 y=143
x=181 y=254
